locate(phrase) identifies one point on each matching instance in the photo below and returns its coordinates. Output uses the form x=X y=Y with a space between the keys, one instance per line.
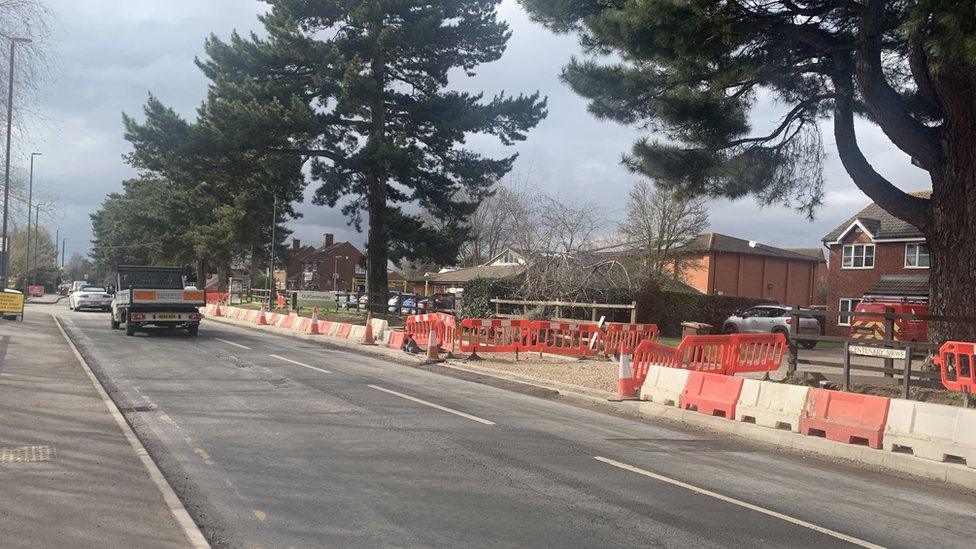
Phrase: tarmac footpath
x=72 y=473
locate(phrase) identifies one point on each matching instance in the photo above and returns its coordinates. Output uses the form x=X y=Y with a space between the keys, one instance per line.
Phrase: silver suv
x=766 y=319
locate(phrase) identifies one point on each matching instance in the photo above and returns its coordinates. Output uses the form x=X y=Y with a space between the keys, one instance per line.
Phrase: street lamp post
x=57 y=238
x=6 y=174
x=30 y=197
x=37 y=239
x=62 y=252
x=335 y=272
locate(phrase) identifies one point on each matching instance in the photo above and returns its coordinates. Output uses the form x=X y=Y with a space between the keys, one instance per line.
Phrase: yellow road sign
x=12 y=303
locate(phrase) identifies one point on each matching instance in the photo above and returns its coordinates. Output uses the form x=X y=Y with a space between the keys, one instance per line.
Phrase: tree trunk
x=377 y=283
x=951 y=227
x=201 y=273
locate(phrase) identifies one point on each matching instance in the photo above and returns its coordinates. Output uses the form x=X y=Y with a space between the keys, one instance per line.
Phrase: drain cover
x=26 y=454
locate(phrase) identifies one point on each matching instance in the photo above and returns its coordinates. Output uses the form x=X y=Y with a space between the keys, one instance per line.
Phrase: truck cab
x=155 y=296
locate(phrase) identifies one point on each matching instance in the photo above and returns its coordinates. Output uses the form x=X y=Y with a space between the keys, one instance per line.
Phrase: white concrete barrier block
x=664 y=385
x=379 y=326
x=334 y=329
x=356 y=333
x=769 y=404
x=931 y=431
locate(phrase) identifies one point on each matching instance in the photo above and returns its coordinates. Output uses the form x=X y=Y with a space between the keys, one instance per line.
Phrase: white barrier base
x=773 y=405
x=664 y=385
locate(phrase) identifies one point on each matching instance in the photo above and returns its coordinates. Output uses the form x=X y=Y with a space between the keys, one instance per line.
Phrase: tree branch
x=787 y=120
x=884 y=102
x=821 y=10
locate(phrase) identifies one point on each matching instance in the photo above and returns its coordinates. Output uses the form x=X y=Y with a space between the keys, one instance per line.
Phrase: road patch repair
x=832 y=424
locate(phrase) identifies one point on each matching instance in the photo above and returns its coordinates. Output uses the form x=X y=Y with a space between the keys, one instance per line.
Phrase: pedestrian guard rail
x=564 y=338
x=418 y=327
x=720 y=354
x=493 y=335
x=628 y=335
x=957 y=363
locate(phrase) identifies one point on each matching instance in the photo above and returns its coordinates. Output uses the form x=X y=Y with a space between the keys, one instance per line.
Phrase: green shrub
x=668 y=309
x=478 y=293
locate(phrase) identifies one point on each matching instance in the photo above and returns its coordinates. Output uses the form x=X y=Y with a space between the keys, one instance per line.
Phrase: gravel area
x=592 y=372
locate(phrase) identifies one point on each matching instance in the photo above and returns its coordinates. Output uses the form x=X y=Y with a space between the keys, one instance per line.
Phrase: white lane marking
x=302 y=364
x=740 y=503
x=432 y=405
x=245 y=347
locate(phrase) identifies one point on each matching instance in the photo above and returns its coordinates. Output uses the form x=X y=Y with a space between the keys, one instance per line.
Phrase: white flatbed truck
x=155 y=296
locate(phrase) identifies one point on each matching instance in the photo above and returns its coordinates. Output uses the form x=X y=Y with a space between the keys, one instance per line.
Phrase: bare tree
x=659 y=220
x=31 y=20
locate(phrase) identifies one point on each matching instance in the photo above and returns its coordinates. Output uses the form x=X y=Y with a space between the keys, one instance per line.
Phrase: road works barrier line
x=245 y=347
x=302 y=364
x=740 y=503
x=432 y=405
x=190 y=528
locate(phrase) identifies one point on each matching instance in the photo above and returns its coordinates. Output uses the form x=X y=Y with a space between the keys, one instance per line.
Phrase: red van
x=872 y=327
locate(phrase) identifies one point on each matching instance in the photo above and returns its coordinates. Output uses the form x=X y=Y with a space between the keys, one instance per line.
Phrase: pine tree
x=361 y=89
x=696 y=68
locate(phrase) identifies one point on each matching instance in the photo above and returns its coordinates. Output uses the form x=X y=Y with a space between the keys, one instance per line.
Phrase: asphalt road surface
x=273 y=442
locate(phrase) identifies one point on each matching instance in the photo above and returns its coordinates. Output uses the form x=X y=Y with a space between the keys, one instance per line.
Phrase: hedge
x=668 y=309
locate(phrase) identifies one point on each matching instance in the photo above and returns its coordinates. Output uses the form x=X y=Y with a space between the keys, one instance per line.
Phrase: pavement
x=86 y=485
x=271 y=441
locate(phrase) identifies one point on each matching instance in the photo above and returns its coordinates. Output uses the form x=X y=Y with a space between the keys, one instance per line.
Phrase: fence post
x=498 y=309
x=594 y=312
x=633 y=312
x=847 y=365
x=906 y=372
x=889 y=364
x=794 y=348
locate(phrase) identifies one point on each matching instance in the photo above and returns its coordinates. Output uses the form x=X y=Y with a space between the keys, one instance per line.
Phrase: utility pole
x=62 y=252
x=6 y=175
x=30 y=196
x=271 y=284
x=37 y=240
x=57 y=238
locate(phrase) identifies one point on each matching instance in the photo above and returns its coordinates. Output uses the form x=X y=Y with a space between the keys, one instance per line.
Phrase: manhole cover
x=26 y=454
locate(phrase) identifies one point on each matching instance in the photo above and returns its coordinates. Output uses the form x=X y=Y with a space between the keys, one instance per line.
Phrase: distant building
x=719 y=264
x=506 y=264
x=330 y=267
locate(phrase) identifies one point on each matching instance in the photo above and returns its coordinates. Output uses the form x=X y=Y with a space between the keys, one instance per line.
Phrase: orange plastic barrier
x=397 y=340
x=957 y=361
x=710 y=353
x=443 y=324
x=650 y=353
x=712 y=394
x=719 y=354
x=344 y=330
x=845 y=417
x=289 y=321
x=564 y=338
x=272 y=318
x=758 y=352
x=325 y=327
x=303 y=324
x=628 y=335
x=217 y=297
x=493 y=335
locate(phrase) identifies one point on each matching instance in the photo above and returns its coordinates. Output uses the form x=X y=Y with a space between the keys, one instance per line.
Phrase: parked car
x=872 y=327
x=402 y=303
x=90 y=297
x=438 y=302
x=766 y=319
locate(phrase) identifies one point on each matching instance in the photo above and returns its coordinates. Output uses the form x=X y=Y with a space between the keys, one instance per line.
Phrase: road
x=273 y=442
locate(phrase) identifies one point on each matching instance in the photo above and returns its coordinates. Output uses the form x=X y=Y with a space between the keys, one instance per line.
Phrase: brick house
x=874 y=255
x=724 y=265
x=333 y=266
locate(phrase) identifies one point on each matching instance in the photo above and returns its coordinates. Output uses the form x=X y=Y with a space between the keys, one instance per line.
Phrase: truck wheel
x=115 y=323
x=130 y=328
x=193 y=329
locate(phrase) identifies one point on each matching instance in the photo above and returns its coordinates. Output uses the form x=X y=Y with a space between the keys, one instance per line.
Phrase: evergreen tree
x=361 y=89
x=696 y=68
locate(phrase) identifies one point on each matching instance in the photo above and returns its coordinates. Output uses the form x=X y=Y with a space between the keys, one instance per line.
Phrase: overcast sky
x=112 y=54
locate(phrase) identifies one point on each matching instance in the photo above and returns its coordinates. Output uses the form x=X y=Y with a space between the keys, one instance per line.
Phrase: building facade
x=331 y=267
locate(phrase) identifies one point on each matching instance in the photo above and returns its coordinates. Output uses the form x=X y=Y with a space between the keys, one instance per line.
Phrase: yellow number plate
x=166 y=315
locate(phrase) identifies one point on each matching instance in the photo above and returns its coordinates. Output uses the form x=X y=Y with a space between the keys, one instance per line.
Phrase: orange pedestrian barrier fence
x=957 y=362
x=845 y=417
x=652 y=353
x=289 y=321
x=628 y=335
x=719 y=354
x=493 y=335
x=712 y=394
x=397 y=340
x=564 y=338
x=443 y=325
x=217 y=297
x=758 y=352
x=710 y=353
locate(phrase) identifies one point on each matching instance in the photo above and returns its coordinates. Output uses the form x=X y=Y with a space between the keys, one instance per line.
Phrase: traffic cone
x=262 y=321
x=625 y=379
x=217 y=309
x=368 y=338
x=433 y=352
x=314 y=328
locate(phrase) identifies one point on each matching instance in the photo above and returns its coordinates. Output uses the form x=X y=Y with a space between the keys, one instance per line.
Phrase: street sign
x=35 y=291
x=880 y=352
x=12 y=303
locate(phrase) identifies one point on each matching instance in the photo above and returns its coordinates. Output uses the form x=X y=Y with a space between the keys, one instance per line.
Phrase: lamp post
x=57 y=238
x=335 y=272
x=62 y=252
x=271 y=282
x=37 y=232
x=6 y=174
x=30 y=197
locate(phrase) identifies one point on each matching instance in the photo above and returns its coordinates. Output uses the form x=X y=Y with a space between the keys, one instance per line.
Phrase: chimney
x=296 y=244
x=329 y=239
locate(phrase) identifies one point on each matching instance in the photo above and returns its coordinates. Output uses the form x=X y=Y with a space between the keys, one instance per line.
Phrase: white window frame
x=852 y=303
x=917 y=255
x=864 y=256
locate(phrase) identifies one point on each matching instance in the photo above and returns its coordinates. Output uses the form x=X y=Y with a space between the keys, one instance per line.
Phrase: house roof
x=913 y=285
x=471 y=273
x=816 y=253
x=671 y=284
x=715 y=242
x=881 y=224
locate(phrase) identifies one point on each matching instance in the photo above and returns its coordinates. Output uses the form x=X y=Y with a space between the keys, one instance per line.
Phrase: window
x=916 y=256
x=858 y=256
x=847 y=304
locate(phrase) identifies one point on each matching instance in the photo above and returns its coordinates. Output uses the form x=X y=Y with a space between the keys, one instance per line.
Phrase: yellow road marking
x=203 y=455
x=302 y=364
x=740 y=503
x=432 y=405
x=260 y=515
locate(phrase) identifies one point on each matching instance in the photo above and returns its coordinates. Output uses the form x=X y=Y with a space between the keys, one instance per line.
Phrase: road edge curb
x=177 y=509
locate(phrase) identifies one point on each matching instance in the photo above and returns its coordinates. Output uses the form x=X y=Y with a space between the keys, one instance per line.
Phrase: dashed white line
x=245 y=347
x=302 y=364
x=432 y=405
x=740 y=503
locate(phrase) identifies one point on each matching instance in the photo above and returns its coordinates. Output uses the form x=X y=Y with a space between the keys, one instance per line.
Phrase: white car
x=90 y=297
